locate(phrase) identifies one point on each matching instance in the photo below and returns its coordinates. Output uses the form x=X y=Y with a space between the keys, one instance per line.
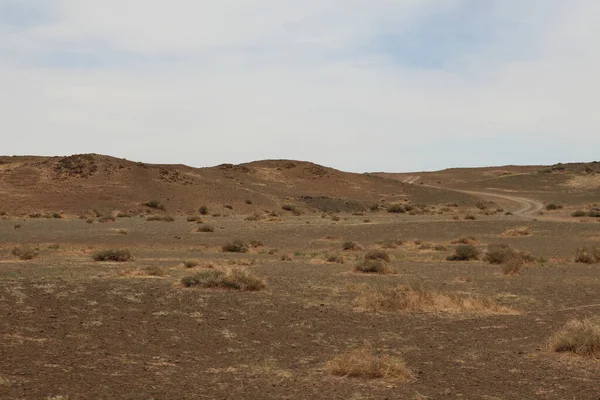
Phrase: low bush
x=335 y=258
x=157 y=205
x=465 y=240
x=25 y=252
x=203 y=210
x=351 y=246
x=464 y=252
x=415 y=297
x=119 y=255
x=579 y=336
x=588 y=255
x=364 y=363
x=373 y=267
x=553 y=206
x=396 y=208
x=520 y=231
x=234 y=278
x=470 y=217
x=237 y=246
x=379 y=255
x=190 y=264
x=578 y=213
x=206 y=228
x=154 y=270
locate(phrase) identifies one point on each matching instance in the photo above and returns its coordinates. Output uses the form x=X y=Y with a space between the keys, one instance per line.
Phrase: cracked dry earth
x=80 y=329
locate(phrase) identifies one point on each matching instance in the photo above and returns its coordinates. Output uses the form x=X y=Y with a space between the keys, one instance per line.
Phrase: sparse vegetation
x=470 y=217
x=154 y=270
x=466 y=240
x=379 y=255
x=579 y=336
x=203 y=210
x=157 y=205
x=373 y=267
x=415 y=297
x=166 y=218
x=190 y=264
x=391 y=243
x=578 y=213
x=520 y=231
x=364 y=363
x=25 y=252
x=236 y=246
x=464 y=252
x=232 y=278
x=588 y=255
x=205 y=228
x=553 y=206
x=119 y=255
x=351 y=246
x=396 y=208
x=335 y=258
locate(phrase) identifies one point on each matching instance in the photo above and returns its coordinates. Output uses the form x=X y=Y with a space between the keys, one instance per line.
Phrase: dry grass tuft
x=581 y=337
x=378 y=255
x=415 y=297
x=335 y=258
x=466 y=240
x=154 y=270
x=206 y=228
x=119 y=255
x=190 y=264
x=237 y=246
x=364 y=363
x=588 y=255
x=373 y=267
x=520 y=231
x=24 y=252
x=231 y=278
x=464 y=252
x=351 y=246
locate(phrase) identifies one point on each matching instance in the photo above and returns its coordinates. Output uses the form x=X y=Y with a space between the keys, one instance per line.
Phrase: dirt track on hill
x=528 y=207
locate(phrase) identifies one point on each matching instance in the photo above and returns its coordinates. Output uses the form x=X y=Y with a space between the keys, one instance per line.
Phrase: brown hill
x=78 y=183
x=572 y=183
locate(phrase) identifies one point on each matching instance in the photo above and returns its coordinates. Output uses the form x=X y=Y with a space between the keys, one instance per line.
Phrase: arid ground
x=75 y=328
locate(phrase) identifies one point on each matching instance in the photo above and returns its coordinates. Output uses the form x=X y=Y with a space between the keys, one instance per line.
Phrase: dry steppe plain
x=75 y=328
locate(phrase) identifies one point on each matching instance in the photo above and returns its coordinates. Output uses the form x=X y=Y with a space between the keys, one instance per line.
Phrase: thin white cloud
x=205 y=82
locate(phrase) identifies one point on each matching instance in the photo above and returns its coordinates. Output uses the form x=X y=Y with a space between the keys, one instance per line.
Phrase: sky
x=358 y=85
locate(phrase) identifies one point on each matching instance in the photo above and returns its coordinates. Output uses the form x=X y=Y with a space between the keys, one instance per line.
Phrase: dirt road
x=527 y=207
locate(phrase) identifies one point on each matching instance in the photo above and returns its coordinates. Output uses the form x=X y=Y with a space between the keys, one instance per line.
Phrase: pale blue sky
x=385 y=85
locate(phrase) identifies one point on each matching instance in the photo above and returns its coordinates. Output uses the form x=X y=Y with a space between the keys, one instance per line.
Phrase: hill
x=79 y=183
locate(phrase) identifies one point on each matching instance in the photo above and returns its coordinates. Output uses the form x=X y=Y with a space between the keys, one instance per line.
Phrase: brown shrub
x=464 y=252
x=351 y=246
x=119 y=255
x=25 y=252
x=232 y=278
x=237 y=246
x=379 y=255
x=373 y=267
x=364 y=363
x=520 y=231
x=588 y=255
x=415 y=297
x=578 y=336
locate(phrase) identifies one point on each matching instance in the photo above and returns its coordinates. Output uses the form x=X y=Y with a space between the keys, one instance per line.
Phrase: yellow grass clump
x=364 y=363
x=579 y=336
x=227 y=278
x=415 y=297
x=520 y=231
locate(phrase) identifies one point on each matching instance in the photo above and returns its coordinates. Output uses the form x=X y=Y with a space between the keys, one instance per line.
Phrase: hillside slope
x=75 y=184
